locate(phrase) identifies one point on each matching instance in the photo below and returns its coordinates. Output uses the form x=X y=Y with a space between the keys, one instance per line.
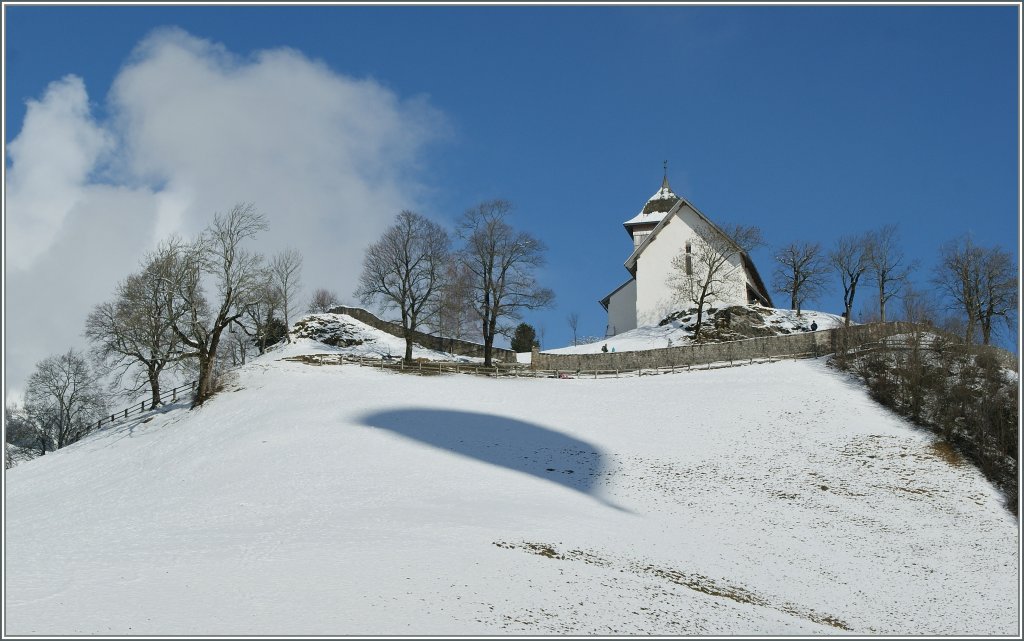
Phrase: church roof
x=607 y=299
x=656 y=206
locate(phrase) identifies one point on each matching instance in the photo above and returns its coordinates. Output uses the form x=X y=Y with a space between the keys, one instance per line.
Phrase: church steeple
x=664 y=198
x=653 y=211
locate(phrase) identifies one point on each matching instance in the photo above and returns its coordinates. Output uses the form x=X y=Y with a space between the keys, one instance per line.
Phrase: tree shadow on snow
x=505 y=442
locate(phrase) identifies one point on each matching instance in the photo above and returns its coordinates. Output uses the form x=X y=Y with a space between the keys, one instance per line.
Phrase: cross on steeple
x=664 y=181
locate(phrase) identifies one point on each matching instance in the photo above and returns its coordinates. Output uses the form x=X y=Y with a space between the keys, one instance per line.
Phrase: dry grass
x=693 y=581
x=946 y=452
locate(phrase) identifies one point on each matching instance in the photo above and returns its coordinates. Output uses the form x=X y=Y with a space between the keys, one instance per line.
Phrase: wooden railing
x=140 y=408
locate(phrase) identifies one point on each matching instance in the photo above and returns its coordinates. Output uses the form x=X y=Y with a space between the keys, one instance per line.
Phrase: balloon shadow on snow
x=504 y=442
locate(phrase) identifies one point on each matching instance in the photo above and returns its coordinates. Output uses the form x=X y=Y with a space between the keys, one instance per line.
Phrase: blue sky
x=810 y=122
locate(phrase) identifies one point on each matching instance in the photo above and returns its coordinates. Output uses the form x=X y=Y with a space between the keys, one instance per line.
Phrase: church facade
x=669 y=226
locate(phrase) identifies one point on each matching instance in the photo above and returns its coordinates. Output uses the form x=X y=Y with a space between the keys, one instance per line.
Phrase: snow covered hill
x=764 y=499
x=347 y=335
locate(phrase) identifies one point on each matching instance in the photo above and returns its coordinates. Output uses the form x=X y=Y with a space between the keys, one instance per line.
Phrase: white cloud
x=193 y=130
x=58 y=146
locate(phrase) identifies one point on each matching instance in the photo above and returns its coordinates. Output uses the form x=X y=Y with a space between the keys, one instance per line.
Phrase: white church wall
x=654 y=296
x=622 y=310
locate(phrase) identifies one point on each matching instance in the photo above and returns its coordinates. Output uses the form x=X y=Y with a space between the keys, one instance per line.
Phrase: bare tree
x=980 y=282
x=20 y=432
x=999 y=290
x=239 y=277
x=404 y=270
x=323 y=301
x=888 y=268
x=849 y=258
x=502 y=262
x=286 y=275
x=262 y=325
x=710 y=264
x=134 y=332
x=63 y=400
x=574 y=321
x=800 y=273
x=456 y=317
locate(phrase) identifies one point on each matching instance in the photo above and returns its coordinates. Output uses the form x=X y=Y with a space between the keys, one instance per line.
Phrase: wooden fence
x=140 y=408
x=430 y=368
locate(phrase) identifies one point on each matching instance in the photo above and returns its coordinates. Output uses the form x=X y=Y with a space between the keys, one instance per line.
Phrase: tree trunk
x=408 y=346
x=489 y=327
x=986 y=330
x=849 y=301
x=207 y=361
x=203 y=382
x=154 y=388
x=488 y=343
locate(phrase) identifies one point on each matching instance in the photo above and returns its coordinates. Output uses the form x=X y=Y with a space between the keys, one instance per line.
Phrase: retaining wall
x=805 y=343
x=450 y=345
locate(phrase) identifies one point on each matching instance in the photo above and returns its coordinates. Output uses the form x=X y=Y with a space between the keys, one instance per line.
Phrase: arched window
x=689 y=263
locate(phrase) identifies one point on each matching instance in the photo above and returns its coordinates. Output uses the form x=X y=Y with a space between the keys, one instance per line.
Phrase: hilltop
x=763 y=499
x=718 y=325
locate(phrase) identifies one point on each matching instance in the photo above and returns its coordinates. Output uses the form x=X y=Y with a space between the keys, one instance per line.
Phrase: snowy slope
x=765 y=499
x=680 y=331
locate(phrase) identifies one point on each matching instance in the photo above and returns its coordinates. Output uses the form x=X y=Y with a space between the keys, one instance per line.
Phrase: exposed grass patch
x=691 y=580
x=946 y=452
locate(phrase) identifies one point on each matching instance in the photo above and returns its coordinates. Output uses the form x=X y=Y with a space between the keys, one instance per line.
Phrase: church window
x=689 y=261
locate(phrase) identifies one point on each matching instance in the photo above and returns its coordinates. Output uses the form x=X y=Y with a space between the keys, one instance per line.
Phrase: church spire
x=664 y=181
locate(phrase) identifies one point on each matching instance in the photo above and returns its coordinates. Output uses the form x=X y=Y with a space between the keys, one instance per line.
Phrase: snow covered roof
x=656 y=207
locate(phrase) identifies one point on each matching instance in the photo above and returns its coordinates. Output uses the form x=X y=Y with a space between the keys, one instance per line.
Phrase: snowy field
x=765 y=499
x=680 y=331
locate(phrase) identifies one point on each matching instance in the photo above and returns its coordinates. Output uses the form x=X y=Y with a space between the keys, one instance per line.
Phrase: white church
x=666 y=226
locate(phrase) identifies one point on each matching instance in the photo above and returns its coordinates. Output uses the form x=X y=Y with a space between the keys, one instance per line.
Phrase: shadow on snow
x=505 y=442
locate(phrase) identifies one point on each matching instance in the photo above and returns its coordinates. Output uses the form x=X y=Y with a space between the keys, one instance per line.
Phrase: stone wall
x=450 y=345
x=804 y=343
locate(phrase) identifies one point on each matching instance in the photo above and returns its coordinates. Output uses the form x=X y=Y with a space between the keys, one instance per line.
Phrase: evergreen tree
x=524 y=338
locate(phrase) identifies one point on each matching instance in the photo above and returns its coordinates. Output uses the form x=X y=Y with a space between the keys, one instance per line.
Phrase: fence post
x=126 y=412
x=142 y=406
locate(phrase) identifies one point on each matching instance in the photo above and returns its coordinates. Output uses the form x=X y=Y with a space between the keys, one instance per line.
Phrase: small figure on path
x=604 y=348
x=814 y=326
